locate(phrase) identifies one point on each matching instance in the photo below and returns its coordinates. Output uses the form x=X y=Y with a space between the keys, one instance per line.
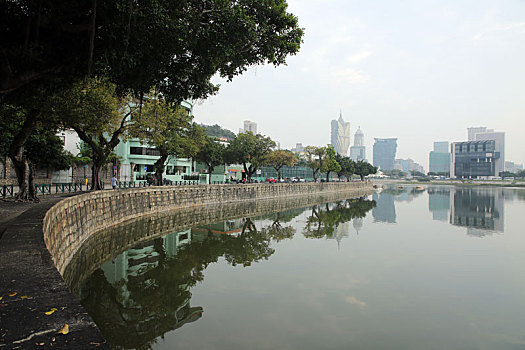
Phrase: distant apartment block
x=439 y=158
x=513 y=167
x=358 y=150
x=408 y=165
x=340 y=135
x=249 y=126
x=385 y=153
x=472 y=131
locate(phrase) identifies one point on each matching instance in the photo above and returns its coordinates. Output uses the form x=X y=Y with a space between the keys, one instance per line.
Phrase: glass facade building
x=385 y=153
x=473 y=159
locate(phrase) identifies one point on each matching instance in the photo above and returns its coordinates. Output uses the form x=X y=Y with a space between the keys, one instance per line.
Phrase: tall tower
x=358 y=150
x=341 y=135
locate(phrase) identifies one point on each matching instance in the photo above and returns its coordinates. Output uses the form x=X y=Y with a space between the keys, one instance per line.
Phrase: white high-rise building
x=358 y=150
x=341 y=135
x=472 y=131
x=249 y=126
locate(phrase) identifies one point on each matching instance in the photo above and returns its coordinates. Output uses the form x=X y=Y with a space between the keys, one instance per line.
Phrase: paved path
x=30 y=286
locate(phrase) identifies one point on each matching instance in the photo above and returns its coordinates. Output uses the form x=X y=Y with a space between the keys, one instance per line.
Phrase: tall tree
x=249 y=150
x=175 y=45
x=330 y=163
x=314 y=158
x=211 y=153
x=98 y=116
x=279 y=158
x=169 y=128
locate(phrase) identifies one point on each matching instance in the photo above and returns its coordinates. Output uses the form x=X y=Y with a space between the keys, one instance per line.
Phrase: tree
x=348 y=166
x=330 y=163
x=169 y=128
x=98 y=116
x=217 y=131
x=176 y=46
x=249 y=150
x=363 y=169
x=42 y=149
x=314 y=158
x=211 y=154
x=279 y=158
x=417 y=173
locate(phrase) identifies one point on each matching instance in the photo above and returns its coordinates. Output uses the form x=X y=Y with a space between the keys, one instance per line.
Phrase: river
x=403 y=268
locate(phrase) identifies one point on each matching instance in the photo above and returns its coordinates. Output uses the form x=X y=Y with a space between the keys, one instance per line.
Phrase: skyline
x=420 y=72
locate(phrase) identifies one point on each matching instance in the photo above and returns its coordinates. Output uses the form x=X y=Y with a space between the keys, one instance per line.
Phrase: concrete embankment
x=36 y=249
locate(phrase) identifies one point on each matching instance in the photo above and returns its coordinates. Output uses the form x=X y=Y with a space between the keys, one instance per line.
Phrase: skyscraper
x=499 y=138
x=358 y=150
x=385 y=153
x=341 y=135
x=472 y=131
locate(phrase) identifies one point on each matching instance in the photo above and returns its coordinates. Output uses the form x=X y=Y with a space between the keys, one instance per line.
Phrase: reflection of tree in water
x=325 y=218
x=154 y=299
x=276 y=231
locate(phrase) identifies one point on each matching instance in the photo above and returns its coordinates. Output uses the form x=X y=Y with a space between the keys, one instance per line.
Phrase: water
x=442 y=268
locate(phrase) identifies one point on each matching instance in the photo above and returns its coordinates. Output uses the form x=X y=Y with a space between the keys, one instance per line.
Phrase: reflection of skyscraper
x=385 y=153
x=358 y=224
x=341 y=135
x=385 y=209
x=480 y=210
x=439 y=202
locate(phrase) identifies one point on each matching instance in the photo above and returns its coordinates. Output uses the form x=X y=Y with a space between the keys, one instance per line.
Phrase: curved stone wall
x=69 y=223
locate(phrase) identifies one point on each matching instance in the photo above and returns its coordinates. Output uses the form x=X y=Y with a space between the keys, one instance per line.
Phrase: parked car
x=271 y=180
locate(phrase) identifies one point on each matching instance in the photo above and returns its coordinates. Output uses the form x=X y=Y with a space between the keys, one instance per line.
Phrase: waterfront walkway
x=35 y=302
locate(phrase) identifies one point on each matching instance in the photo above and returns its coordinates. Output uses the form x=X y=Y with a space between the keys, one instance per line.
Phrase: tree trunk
x=16 y=154
x=210 y=171
x=31 y=183
x=159 y=169
x=328 y=176
x=96 y=183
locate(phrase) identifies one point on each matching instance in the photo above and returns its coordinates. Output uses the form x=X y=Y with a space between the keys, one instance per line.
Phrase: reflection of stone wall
x=108 y=243
x=72 y=221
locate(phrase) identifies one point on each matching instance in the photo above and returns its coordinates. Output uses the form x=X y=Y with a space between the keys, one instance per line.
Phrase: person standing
x=114 y=182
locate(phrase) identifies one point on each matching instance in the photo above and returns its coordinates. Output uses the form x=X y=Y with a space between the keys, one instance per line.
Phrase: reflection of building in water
x=341 y=231
x=358 y=224
x=385 y=210
x=223 y=227
x=480 y=210
x=439 y=202
x=137 y=268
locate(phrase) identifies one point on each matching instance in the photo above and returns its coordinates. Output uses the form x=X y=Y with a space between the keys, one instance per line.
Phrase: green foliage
x=279 y=158
x=175 y=45
x=348 y=166
x=363 y=169
x=211 y=153
x=314 y=158
x=45 y=150
x=249 y=150
x=330 y=163
x=324 y=221
x=217 y=131
x=395 y=173
x=417 y=173
x=167 y=127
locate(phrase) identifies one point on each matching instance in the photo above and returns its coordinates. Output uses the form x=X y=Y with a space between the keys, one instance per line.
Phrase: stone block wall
x=71 y=222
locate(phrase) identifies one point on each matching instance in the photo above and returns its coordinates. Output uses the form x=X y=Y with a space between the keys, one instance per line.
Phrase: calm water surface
x=442 y=268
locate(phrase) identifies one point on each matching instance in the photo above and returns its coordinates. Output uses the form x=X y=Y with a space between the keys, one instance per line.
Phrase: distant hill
x=217 y=131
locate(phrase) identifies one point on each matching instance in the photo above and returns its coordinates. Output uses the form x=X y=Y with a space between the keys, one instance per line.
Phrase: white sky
x=421 y=71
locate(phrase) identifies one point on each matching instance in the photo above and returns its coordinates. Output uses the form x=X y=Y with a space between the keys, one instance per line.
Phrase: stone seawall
x=69 y=223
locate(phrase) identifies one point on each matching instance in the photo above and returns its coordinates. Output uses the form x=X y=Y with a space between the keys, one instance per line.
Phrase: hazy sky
x=421 y=71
